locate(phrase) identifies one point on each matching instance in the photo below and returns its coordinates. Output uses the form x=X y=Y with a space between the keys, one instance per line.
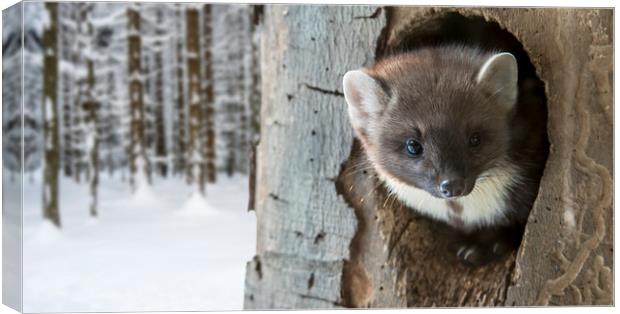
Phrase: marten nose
x=452 y=187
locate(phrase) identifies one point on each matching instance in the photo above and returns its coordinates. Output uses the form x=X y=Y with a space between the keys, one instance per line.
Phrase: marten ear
x=365 y=98
x=500 y=74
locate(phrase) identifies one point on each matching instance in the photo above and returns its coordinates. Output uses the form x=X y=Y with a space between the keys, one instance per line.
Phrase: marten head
x=437 y=119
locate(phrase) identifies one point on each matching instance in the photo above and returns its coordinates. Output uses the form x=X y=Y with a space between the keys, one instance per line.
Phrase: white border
x=507 y=3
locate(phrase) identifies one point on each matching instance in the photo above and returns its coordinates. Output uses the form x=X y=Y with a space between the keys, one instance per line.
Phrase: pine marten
x=456 y=135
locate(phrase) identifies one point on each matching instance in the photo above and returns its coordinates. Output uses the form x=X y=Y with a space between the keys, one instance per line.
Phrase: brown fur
x=440 y=105
x=437 y=97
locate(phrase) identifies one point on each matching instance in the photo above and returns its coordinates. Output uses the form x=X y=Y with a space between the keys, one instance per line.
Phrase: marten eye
x=414 y=148
x=474 y=140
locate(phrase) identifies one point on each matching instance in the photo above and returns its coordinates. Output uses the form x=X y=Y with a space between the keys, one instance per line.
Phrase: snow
x=45 y=233
x=163 y=240
x=171 y=251
x=195 y=97
x=36 y=15
x=197 y=205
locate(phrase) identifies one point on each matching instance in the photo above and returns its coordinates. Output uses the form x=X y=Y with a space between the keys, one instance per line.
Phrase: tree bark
x=78 y=114
x=255 y=92
x=161 y=153
x=209 y=99
x=254 y=98
x=180 y=134
x=137 y=154
x=195 y=156
x=304 y=226
x=244 y=90
x=331 y=236
x=50 y=111
x=67 y=31
x=89 y=105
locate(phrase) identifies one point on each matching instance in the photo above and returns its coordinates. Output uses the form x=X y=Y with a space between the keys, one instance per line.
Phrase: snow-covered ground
x=166 y=251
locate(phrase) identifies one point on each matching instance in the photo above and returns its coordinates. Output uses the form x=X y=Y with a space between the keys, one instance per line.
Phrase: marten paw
x=479 y=254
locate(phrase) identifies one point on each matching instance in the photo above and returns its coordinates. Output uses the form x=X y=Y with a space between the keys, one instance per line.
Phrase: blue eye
x=414 y=148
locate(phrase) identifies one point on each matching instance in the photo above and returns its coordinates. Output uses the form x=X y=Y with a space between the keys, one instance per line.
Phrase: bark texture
x=209 y=98
x=304 y=226
x=90 y=107
x=137 y=154
x=161 y=152
x=195 y=153
x=329 y=238
x=180 y=142
x=51 y=136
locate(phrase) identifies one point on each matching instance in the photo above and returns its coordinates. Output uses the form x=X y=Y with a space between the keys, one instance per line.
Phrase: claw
x=468 y=253
x=461 y=249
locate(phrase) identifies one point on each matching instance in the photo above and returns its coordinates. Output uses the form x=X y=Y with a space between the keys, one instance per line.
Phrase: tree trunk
x=137 y=151
x=304 y=226
x=195 y=156
x=328 y=233
x=88 y=103
x=50 y=111
x=255 y=93
x=209 y=114
x=67 y=22
x=68 y=54
x=78 y=115
x=180 y=137
x=91 y=107
x=256 y=13
x=161 y=152
x=244 y=83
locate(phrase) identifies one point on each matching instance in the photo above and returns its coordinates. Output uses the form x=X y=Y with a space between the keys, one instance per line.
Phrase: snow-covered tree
x=67 y=47
x=12 y=54
x=232 y=77
x=50 y=115
x=158 y=47
x=253 y=93
x=32 y=113
x=139 y=88
x=179 y=122
x=110 y=42
x=137 y=155
x=87 y=99
x=195 y=151
x=208 y=96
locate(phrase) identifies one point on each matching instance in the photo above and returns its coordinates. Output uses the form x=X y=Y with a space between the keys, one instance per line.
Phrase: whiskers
x=361 y=166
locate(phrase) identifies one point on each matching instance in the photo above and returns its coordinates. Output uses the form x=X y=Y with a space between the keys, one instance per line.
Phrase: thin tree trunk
x=209 y=99
x=88 y=104
x=50 y=110
x=255 y=94
x=147 y=105
x=67 y=147
x=160 y=138
x=77 y=131
x=180 y=135
x=243 y=132
x=195 y=156
x=255 y=102
x=91 y=107
x=137 y=153
x=68 y=54
x=244 y=77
